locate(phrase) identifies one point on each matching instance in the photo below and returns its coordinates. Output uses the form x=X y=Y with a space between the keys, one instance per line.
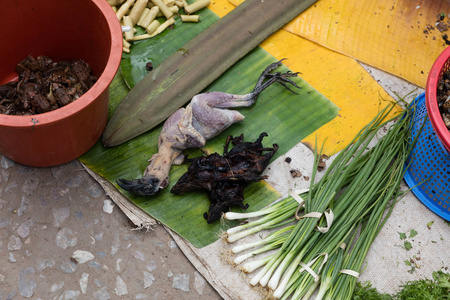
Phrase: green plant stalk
x=283 y=208
x=202 y=60
x=345 y=283
x=265 y=211
x=266 y=222
x=281 y=233
x=324 y=195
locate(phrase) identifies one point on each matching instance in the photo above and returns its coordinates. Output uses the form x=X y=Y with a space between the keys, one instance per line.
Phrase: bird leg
x=156 y=175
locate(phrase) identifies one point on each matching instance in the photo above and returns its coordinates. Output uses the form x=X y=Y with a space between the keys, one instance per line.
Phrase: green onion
x=359 y=186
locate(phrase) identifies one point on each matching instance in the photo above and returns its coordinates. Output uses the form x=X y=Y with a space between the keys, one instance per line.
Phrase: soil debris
x=443 y=97
x=295 y=173
x=45 y=85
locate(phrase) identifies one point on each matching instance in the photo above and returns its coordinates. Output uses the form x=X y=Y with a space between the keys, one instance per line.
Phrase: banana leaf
x=285 y=116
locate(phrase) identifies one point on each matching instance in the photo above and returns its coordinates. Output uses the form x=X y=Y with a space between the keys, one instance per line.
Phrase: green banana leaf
x=285 y=116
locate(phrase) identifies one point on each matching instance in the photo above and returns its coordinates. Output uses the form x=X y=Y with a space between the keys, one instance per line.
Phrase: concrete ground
x=62 y=238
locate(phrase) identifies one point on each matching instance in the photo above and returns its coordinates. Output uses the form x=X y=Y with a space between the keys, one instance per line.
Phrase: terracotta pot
x=62 y=30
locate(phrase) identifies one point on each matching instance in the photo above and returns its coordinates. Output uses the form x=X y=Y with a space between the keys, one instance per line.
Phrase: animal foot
x=145 y=186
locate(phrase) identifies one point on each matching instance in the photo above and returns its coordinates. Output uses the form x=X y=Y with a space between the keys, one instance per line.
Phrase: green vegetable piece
x=412 y=233
x=429 y=224
x=408 y=245
x=402 y=235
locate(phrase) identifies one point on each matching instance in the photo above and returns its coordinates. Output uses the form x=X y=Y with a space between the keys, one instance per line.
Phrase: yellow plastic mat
x=338 y=77
x=402 y=37
x=399 y=37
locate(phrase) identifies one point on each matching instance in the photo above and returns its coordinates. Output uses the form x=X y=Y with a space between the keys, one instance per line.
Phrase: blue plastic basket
x=428 y=173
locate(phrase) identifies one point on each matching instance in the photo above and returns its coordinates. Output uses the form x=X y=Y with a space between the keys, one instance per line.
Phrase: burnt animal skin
x=206 y=116
x=225 y=177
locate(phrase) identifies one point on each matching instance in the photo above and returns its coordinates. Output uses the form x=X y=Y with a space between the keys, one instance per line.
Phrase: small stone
x=102 y=294
x=29 y=186
x=82 y=256
x=108 y=206
x=69 y=295
x=141 y=296
x=24 y=229
x=121 y=287
x=23 y=205
x=159 y=244
x=94 y=264
x=97 y=282
x=148 y=279
x=65 y=238
x=169 y=274
x=151 y=266
x=11 y=258
x=74 y=181
x=118 y=261
x=11 y=295
x=101 y=254
x=99 y=236
x=14 y=243
x=60 y=215
x=172 y=245
x=11 y=186
x=94 y=191
x=181 y=282
x=139 y=255
x=6 y=174
x=56 y=286
x=4 y=223
x=68 y=267
x=26 y=285
x=57 y=171
x=59 y=193
x=44 y=264
x=116 y=244
x=79 y=215
x=2 y=202
x=2 y=278
x=199 y=283
x=83 y=282
x=6 y=163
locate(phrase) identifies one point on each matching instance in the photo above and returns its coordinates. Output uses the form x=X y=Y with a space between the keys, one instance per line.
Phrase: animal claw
x=145 y=186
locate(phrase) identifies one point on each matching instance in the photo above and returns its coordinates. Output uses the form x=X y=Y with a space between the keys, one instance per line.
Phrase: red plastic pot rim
x=98 y=88
x=431 y=99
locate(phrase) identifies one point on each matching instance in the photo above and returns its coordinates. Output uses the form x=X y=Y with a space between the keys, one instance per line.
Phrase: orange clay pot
x=62 y=30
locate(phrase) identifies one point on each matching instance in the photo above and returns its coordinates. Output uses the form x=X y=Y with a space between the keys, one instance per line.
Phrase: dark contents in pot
x=443 y=97
x=45 y=85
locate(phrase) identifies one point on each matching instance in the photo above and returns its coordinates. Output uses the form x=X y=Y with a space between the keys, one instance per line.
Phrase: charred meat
x=225 y=176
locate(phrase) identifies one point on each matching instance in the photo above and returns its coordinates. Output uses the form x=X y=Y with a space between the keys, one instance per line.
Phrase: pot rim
x=93 y=93
x=431 y=97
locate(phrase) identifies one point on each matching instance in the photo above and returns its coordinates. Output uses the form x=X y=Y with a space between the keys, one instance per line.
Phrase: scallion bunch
x=324 y=249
